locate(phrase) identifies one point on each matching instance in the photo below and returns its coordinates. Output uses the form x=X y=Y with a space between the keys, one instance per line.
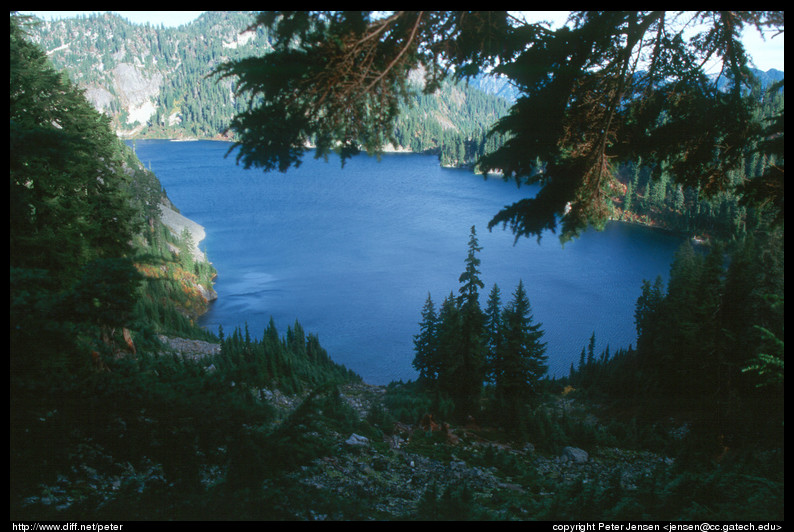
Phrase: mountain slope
x=153 y=81
x=158 y=82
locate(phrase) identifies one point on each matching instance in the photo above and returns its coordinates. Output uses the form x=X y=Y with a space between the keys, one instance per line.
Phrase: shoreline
x=199 y=235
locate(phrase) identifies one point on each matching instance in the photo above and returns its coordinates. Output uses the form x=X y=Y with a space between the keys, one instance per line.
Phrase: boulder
x=356 y=440
x=575 y=455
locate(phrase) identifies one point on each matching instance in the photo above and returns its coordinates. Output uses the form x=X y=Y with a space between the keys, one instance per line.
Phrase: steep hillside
x=153 y=81
x=158 y=82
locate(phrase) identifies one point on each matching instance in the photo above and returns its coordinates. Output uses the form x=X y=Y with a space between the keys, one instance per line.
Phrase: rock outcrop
x=178 y=223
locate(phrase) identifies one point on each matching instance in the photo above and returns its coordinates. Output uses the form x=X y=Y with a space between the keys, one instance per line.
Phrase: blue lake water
x=353 y=252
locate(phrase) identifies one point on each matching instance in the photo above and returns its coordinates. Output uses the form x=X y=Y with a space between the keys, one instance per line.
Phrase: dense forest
x=649 y=195
x=110 y=421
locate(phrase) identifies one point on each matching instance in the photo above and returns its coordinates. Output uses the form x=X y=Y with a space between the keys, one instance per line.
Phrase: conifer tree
x=493 y=330
x=68 y=201
x=470 y=367
x=340 y=78
x=426 y=344
x=71 y=219
x=523 y=359
x=449 y=344
x=591 y=350
x=470 y=278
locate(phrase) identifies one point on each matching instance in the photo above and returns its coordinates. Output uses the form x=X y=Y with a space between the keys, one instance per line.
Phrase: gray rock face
x=134 y=86
x=176 y=223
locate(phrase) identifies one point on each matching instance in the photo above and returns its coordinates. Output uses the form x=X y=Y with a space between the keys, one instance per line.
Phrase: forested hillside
x=153 y=81
x=158 y=83
x=648 y=194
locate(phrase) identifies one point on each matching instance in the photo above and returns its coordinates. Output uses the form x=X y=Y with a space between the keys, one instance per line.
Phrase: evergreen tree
x=523 y=359
x=493 y=330
x=591 y=350
x=470 y=278
x=647 y=306
x=449 y=346
x=426 y=344
x=71 y=216
x=68 y=201
x=628 y=197
x=469 y=370
x=186 y=246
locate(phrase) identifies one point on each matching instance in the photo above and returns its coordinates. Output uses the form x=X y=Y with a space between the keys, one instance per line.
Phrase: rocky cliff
x=178 y=224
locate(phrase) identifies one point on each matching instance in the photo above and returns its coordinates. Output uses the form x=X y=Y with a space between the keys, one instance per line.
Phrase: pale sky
x=766 y=53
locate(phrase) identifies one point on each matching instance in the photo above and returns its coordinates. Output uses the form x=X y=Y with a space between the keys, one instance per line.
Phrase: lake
x=352 y=253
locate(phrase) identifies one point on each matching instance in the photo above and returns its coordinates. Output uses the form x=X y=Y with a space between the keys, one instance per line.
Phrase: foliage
x=584 y=105
x=451 y=122
x=455 y=503
x=409 y=402
x=176 y=64
x=169 y=299
x=89 y=258
x=71 y=220
x=337 y=78
x=426 y=359
x=93 y=276
x=304 y=435
x=767 y=188
x=291 y=363
x=710 y=492
x=462 y=346
x=751 y=201
x=172 y=63
x=711 y=344
x=520 y=363
x=66 y=171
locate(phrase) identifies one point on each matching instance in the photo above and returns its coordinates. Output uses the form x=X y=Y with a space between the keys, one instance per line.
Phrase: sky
x=766 y=53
